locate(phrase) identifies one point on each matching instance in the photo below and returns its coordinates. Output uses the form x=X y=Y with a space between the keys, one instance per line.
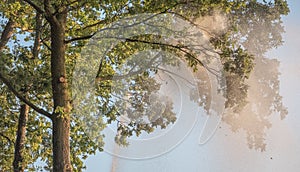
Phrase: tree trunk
x=20 y=140
x=61 y=145
x=61 y=116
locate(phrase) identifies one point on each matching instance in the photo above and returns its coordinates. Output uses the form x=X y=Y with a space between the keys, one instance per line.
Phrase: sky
x=226 y=150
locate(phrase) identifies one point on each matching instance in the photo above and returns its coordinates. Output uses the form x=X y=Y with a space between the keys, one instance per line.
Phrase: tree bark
x=20 y=140
x=60 y=120
x=38 y=26
x=6 y=33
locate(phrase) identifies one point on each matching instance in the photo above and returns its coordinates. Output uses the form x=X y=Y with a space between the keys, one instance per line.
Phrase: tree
x=55 y=32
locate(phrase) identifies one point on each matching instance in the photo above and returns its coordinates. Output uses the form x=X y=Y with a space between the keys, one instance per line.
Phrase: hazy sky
x=228 y=151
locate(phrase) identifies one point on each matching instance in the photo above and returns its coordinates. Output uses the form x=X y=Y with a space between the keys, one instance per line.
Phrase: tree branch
x=130 y=73
x=6 y=33
x=194 y=24
x=7 y=138
x=45 y=43
x=110 y=20
x=80 y=38
x=22 y=98
x=48 y=14
x=178 y=47
x=37 y=39
x=36 y=7
x=113 y=19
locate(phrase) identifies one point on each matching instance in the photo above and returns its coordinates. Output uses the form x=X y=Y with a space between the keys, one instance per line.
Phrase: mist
x=259 y=136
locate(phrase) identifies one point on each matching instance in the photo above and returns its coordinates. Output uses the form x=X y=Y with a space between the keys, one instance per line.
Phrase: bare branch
x=22 y=98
